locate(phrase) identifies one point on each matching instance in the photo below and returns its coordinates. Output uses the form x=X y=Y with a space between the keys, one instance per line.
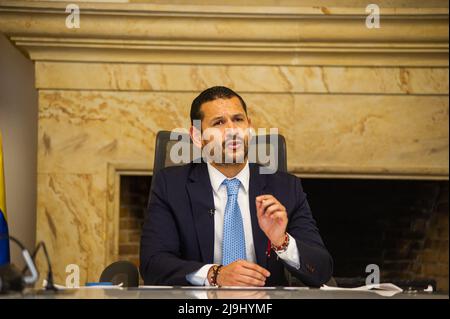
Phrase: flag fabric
x=4 y=242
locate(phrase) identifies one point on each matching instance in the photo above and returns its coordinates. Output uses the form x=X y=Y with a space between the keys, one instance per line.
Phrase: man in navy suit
x=223 y=222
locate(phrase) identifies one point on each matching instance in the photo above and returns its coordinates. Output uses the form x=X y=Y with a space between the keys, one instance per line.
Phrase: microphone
x=10 y=277
x=50 y=286
x=212 y=211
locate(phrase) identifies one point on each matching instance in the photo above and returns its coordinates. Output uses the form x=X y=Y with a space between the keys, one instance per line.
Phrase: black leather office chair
x=123 y=272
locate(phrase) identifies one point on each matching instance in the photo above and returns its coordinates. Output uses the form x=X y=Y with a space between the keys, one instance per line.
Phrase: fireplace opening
x=401 y=226
x=134 y=191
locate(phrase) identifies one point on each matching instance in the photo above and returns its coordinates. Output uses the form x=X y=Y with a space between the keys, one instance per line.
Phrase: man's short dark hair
x=211 y=94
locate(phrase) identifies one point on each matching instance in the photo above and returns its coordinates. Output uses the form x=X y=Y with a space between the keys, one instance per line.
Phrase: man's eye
x=217 y=123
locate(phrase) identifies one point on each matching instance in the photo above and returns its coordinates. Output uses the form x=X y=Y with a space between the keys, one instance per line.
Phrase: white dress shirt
x=290 y=256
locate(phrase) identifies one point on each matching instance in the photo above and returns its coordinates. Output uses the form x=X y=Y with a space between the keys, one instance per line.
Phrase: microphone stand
x=50 y=286
x=20 y=281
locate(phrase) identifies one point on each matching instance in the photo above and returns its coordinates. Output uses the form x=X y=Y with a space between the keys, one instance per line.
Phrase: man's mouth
x=234 y=144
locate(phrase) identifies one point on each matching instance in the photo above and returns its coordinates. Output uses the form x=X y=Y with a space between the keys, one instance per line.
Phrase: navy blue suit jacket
x=178 y=232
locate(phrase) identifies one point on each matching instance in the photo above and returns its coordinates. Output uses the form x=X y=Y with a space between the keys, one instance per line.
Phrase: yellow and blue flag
x=4 y=241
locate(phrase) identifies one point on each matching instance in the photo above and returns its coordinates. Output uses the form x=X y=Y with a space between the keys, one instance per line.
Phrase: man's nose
x=230 y=124
x=231 y=129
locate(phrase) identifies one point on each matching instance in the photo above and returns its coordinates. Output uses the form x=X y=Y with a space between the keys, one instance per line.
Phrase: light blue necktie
x=233 y=247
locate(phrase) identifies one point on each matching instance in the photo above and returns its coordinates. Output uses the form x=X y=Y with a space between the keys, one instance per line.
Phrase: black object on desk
x=119 y=272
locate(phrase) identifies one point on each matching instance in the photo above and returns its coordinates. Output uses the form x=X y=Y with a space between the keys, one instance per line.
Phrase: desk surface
x=218 y=293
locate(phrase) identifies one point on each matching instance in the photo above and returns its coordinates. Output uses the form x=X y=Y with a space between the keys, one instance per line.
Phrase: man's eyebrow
x=216 y=118
x=221 y=117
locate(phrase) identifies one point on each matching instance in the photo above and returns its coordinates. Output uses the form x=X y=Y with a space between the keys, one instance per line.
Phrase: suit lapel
x=202 y=201
x=257 y=187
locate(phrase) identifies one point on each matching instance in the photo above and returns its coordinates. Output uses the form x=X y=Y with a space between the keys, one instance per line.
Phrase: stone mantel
x=305 y=34
x=351 y=101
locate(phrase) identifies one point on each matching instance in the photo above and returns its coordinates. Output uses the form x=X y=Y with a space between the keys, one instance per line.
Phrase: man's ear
x=196 y=136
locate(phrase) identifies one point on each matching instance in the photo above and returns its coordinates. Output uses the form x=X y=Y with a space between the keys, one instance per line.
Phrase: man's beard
x=229 y=157
x=235 y=156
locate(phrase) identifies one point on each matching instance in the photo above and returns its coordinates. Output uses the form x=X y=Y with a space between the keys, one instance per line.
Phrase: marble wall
x=376 y=111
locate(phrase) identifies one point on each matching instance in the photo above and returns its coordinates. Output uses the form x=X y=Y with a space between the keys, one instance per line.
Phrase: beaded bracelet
x=215 y=274
x=283 y=247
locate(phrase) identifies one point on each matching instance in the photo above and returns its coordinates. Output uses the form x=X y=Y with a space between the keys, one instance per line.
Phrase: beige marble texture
x=81 y=131
x=378 y=134
x=71 y=221
x=193 y=78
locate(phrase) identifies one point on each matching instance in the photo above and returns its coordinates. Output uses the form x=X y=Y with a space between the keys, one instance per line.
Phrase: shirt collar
x=217 y=178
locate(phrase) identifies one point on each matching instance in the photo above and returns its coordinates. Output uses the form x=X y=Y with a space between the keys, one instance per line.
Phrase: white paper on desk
x=295 y=288
x=60 y=287
x=226 y=288
x=198 y=287
x=156 y=287
x=246 y=288
x=385 y=290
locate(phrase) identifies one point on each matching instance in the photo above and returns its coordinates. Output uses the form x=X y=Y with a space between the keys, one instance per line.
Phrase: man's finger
x=252 y=273
x=256 y=267
x=259 y=211
x=259 y=202
x=266 y=203
x=278 y=215
x=274 y=208
x=260 y=198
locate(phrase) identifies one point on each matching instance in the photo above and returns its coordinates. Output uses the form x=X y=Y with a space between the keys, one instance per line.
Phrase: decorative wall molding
x=203 y=34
